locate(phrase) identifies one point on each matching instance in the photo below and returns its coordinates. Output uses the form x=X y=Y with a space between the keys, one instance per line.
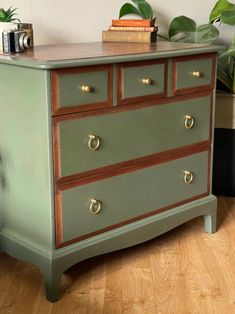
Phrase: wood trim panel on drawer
x=139 y=105
x=126 y=101
x=56 y=110
x=129 y=166
x=56 y=151
x=197 y=88
x=60 y=244
x=96 y=174
x=183 y=153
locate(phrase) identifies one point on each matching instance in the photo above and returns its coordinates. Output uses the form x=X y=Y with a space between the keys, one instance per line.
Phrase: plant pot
x=224 y=145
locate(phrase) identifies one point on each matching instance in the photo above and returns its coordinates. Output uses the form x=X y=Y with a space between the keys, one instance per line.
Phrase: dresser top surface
x=68 y=55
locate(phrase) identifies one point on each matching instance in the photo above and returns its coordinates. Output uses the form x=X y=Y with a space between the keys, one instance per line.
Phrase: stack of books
x=144 y=31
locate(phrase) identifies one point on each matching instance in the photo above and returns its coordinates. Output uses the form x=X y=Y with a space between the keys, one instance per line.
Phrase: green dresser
x=103 y=146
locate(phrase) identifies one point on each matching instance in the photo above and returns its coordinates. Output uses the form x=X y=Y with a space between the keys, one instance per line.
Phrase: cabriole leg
x=211 y=221
x=52 y=285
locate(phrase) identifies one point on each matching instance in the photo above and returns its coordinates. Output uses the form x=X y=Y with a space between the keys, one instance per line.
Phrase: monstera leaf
x=184 y=29
x=142 y=8
x=226 y=67
x=223 y=11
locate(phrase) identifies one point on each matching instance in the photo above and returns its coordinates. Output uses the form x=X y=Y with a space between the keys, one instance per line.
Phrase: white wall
x=79 y=21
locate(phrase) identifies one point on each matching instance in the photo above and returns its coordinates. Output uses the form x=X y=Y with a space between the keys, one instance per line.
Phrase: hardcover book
x=129 y=36
x=136 y=22
x=133 y=28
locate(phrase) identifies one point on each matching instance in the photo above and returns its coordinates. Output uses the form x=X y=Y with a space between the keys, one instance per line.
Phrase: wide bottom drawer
x=87 y=209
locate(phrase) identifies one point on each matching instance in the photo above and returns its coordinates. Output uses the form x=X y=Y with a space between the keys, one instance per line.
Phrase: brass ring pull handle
x=146 y=81
x=197 y=74
x=189 y=121
x=86 y=88
x=94 y=142
x=95 y=206
x=188 y=177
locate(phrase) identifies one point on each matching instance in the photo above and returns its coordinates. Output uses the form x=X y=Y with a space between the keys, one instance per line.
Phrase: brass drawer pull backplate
x=94 y=142
x=95 y=206
x=146 y=81
x=188 y=176
x=86 y=88
x=189 y=121
x=196 y=74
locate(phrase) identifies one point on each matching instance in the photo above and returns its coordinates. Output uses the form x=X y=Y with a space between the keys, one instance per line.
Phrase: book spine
x=133 y=28
x=119 y=36
x=136 y=22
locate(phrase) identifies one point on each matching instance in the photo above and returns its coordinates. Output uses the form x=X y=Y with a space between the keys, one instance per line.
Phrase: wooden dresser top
x=68 y=55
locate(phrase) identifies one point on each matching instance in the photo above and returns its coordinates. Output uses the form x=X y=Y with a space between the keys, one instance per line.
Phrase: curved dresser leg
x=211 y=221
x=52 y=285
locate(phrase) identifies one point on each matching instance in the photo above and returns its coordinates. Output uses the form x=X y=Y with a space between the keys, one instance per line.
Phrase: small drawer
x=93 y=208
x=193 y=74
x=139 y=81
x=89 y=143
x=81 y=89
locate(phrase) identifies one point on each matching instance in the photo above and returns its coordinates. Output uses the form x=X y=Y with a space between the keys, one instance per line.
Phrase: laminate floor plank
x=185 y=271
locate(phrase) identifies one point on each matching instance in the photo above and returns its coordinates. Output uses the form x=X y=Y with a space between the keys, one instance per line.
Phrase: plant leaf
x=186 y=37
x=223 y=77
x=206 y=33
x=228 y=17
x=145 y=8
x=8 y=15
x=128 y=8
x=181 y=24
x=219 y=8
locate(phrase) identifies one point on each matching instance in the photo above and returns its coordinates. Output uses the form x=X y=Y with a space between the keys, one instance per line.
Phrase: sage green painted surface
x=132 y=80
x=131 y=134
x=26 y=193
x=185 y=78
x=132 y=194
x=26 y=206
x=70 y=93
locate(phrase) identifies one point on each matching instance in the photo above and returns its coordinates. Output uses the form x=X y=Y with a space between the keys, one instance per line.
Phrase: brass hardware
x=189 y=121
x=196 y=73
x=86 y=88
x=188 y=177
x=146 y=81
x=95 y=206
x=94 y=142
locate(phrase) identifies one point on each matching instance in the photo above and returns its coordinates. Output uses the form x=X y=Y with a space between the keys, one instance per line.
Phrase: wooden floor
x=183 y=271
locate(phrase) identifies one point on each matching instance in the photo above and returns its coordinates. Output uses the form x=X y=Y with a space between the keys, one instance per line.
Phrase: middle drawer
x=87 y=143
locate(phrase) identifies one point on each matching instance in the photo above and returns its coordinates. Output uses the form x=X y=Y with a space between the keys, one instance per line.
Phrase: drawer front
x=130 y=195
x=192 y=74
x=141 y=81
x=81 y=89
x=129 y=135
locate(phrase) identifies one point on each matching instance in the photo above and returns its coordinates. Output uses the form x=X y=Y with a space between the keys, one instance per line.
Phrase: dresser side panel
x=26 y=202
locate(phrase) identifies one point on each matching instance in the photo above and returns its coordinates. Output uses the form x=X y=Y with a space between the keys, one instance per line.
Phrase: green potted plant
x=8 y=15
x=224 y=156
x=224 y=13
x=184 y=29
x=8 y=21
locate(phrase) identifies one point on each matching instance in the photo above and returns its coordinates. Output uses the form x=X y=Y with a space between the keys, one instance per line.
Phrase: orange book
x=135 y=22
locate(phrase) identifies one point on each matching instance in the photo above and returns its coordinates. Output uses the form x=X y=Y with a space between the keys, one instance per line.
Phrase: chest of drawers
x=103 y=146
